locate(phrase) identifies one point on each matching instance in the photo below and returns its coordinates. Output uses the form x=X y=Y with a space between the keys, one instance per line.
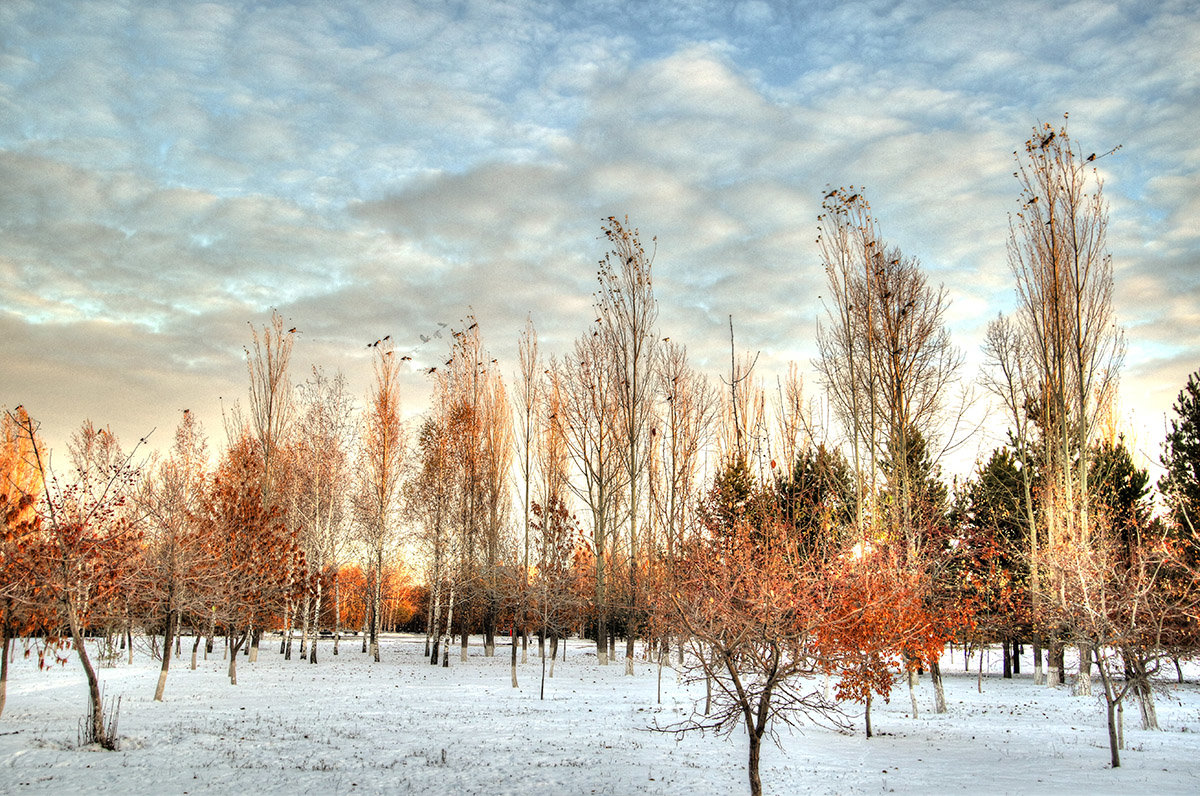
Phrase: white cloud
x=172 y=170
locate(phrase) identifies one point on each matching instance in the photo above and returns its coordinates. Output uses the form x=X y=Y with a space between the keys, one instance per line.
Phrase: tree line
x=613 y=491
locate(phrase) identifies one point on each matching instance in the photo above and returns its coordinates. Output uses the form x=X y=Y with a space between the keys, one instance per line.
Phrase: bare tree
x=681 y=435
x=1010 y=378
x=628 y=314
x=380 y=471
x=1058 y=255
x=170 y=500
x=271 y=404
x=89 y=545
x=473 y=412
x=888 y=364
x=588 y=419
x=527 y=398
x=848 y=240
x=428 y=497
x=321 y=484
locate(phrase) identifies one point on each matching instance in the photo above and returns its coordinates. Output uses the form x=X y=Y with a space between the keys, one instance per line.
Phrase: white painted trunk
x=1083 y=683
x=162 y=685
x=912 y=690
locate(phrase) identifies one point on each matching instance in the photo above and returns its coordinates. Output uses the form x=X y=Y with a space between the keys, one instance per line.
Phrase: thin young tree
x=322 y=482
x=271 y=401
x=379 y=476
x=471 y=397
x=628 y=313
x=553 y=477
x=849 y=241
x=252 y=561
x=681 y=437
x=427 y=496
x=753 y=614
x=527 y=399
x=169 y=500
x=1010 y=377
x=588 y=422
x=90 y=542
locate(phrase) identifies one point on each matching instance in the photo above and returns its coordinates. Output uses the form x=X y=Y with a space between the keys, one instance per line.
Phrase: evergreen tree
x=1121 y=493
x=1181 y=458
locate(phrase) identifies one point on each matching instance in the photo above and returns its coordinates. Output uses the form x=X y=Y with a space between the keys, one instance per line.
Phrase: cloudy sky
x=170 y=171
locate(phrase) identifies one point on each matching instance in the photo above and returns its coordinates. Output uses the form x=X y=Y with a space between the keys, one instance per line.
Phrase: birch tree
x=322 y=484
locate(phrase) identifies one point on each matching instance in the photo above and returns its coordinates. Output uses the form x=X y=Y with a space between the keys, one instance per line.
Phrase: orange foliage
x=254 y=564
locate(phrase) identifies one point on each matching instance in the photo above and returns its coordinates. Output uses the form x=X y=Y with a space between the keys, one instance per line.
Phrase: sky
x=170 y=172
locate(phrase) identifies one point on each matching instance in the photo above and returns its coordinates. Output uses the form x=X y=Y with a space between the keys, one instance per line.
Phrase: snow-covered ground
x=349 y=725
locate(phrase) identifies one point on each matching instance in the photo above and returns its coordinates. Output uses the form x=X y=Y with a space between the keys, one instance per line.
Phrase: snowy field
x=348 y=725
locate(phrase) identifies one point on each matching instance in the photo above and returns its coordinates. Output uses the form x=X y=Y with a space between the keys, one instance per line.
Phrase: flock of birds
x=426 y=338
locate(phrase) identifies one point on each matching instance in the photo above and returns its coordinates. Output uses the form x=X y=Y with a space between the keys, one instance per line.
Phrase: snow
x=349 y=725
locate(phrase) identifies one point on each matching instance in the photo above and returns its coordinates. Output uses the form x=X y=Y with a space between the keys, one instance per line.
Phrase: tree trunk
x=4 y=661
x=708 y=681
x=1005 y=647
x=662 y=652
x=1039 y=676
x=1083 y=684
x=513 y=664
x=1135 y=673
x=601 y=639
x=752 y=763
x=291 y=627
x=912 y=690
x=446 y=635
x=337 y=611
x=196 y=649
x=255 y=641
x=939 y=691
x=629 y=649
x=553 y=651
x=867 y=714
x=1016 y=657
x=1054 y=664
x=465 y=641
x=316 y=630
x=1110 y=704
x=377 y=605
x=542 y=689
x=166 y=658
x=212 y=628
x=435 y=616
x=304 y=626
x=99 y=731
x=234 y=647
